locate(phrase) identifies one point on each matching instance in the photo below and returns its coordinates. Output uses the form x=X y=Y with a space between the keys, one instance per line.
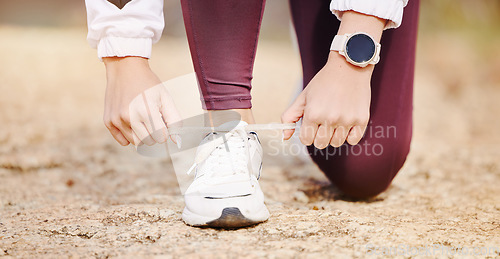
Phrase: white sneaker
x=225 y=192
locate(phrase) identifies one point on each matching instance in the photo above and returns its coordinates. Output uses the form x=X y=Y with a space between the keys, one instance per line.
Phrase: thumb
x=293 y=114
x=171 y=115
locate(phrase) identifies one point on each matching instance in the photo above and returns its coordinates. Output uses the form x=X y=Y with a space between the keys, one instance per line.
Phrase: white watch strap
x=339 y=42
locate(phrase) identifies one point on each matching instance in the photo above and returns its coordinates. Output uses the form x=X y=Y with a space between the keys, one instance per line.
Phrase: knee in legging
x=365 y=184
x=363 y=176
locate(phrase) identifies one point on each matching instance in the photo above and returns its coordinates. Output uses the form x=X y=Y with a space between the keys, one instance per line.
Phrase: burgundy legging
x=223 y=37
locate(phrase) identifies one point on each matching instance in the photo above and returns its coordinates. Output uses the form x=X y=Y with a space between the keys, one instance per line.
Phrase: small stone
x=70 y=183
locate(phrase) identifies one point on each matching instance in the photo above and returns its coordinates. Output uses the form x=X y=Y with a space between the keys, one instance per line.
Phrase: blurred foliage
x=42 y=13
x=460 y=15
x=476 y=23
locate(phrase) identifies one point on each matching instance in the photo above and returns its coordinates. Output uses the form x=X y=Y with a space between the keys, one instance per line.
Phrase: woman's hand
x=137 y=106
x=335 y=106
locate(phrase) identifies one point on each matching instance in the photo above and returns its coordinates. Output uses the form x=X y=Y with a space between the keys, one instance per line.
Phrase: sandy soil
x=67 y=189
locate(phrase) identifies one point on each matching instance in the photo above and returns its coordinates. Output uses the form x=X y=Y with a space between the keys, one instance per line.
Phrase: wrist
x=116 y=64
x=355 y=22
x=337 y=61
x=357 y=40
x=122 y=62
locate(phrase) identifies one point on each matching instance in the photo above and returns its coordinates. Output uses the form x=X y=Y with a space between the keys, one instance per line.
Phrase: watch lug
x=377 y=53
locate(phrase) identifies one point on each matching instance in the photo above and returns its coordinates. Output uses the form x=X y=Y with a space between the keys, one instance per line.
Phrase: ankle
x=219 y=117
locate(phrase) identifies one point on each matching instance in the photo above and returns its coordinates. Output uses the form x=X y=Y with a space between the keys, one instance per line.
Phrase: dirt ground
x=67 y=189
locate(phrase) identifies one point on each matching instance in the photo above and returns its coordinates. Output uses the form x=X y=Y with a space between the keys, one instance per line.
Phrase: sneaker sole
x=230 y=217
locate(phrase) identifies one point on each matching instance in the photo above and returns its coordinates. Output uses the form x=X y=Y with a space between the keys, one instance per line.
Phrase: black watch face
x=360 y=48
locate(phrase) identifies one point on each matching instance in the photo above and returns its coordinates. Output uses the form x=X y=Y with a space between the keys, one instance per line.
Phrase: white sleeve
x=130 y=31
x=391 y=10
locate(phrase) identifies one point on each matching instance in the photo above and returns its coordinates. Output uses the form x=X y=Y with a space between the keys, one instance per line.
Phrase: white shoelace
x=231 y=148
x=248 y=128
x=235 y=140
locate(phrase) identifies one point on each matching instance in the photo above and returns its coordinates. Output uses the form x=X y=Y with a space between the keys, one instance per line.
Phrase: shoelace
x=217 y=147
x=248 y=128
x=240 y=132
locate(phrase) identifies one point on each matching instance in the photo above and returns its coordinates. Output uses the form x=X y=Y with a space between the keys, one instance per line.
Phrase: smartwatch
x=358 y=48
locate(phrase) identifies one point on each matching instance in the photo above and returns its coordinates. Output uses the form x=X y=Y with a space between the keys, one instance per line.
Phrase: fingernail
x=178 y=141
x=282 y=136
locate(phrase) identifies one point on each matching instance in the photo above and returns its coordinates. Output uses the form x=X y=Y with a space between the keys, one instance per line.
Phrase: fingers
x=334 y=133
x=356 y=134
x=293 y=114
x=141 y=133
x=156 y=126
x=137 y=140
x=170 y=114
x=122 y=124
x=151 y=113
x=146 y=123
x=323 y=136
x=308 y=132
x=116 y=133
x=339 y=136
x=168 y=110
